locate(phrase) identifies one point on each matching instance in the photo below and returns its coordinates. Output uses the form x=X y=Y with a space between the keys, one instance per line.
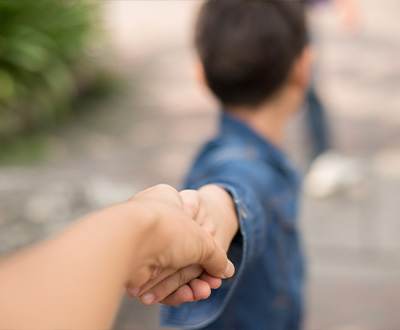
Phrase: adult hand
x=184 y=242
x=213 y=209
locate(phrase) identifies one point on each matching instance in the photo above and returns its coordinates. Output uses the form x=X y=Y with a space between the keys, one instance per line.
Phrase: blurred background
x=98 y=100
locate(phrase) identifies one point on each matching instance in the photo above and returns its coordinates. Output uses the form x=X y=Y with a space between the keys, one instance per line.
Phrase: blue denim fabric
x=266 y=291
x=317 y=123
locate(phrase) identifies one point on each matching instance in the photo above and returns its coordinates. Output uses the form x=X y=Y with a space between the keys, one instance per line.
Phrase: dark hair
x=247 y=47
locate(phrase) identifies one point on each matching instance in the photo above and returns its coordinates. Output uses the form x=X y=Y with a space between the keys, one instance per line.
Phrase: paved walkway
x=150 y=132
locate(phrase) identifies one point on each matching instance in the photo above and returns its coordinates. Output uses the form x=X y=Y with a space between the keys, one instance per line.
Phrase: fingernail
x=155 y=272
x=135 y=291
x=230 y=269
x=148 y=298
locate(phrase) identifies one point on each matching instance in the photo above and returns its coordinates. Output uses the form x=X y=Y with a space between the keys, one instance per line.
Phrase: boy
x=255 y=61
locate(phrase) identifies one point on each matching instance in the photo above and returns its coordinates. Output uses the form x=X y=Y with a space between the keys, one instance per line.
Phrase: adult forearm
x=75 y=279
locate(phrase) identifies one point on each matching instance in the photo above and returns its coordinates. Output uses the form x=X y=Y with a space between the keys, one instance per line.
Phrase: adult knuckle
x=163 y=289
x=182 y=278
x=166 y=187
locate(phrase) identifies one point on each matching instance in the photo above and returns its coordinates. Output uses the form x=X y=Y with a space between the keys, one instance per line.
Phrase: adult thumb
x=212 y=256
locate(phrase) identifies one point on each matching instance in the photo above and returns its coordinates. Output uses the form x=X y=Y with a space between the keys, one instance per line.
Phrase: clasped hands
x=212 y=208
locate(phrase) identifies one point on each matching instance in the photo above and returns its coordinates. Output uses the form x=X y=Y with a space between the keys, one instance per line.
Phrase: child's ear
x=199 y=73
x=302 y=68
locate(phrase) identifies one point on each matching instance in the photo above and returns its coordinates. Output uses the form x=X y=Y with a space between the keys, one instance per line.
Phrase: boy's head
x=249 y=47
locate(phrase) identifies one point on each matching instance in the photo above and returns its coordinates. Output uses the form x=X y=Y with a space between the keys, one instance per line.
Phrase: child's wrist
x=223 y=211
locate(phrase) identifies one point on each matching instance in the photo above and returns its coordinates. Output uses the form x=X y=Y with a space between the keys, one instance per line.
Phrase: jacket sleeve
x=247 y=184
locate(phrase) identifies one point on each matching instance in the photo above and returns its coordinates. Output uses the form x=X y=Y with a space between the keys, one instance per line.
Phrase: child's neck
x=269 y=119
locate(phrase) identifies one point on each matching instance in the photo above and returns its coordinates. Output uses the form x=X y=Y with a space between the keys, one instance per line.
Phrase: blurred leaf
x=41 y=42
x=7 y=90
x=26 y=56
x=23 y=149
x=59 y=80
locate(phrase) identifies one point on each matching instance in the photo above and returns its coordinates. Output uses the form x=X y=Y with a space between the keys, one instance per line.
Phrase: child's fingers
x=170 y=284
x=180 y=296
x=200 y=289
x=213 y=282
x=196 y=290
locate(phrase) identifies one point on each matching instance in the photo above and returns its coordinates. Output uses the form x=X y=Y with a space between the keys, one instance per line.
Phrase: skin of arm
x=75 y=279
x=212 y=207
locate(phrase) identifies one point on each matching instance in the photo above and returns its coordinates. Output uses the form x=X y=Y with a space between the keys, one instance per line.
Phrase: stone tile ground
x=149 y=132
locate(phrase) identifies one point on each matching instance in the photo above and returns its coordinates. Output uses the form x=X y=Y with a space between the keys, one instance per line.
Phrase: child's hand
x=213 y=209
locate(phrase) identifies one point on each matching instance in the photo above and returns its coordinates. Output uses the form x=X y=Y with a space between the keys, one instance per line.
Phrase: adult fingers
x=161 y=192
x=213 y=258
x=171 y=284
x=191 y=202
x=135 y=292
x=185 y=243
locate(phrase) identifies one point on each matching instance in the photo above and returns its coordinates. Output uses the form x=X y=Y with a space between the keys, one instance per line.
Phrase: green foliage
x=26 y=149
x=44 y=60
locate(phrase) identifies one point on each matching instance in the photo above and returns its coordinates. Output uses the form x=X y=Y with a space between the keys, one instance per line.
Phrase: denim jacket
x=266 y=291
